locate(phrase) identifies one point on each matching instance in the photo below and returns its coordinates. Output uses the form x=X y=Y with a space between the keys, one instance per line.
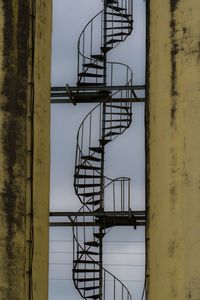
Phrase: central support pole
x=103 y=156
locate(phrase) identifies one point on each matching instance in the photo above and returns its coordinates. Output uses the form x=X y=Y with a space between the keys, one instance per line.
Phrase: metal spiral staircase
x=104 y=123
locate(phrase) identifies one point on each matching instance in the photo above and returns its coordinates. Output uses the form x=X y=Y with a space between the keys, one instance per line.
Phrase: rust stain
x=174 y=52
x=173 y=5
x=15 y=69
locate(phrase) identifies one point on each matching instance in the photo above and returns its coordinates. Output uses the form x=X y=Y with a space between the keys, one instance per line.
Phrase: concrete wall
x=174 y=150
x=25 y=46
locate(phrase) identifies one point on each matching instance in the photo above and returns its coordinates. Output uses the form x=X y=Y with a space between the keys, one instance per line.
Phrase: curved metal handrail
x=80 y=162
x=128 y=293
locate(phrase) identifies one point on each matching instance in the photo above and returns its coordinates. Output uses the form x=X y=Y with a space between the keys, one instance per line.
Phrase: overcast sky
x=124 y=156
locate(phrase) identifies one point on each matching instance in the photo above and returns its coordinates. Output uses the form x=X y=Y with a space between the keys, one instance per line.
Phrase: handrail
x=88 y=164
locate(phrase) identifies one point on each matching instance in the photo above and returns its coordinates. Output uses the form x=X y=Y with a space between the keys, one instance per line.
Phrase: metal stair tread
x=86 y=176
x=118 y=15
x=89 y=194
x=118 y=113
x=111 y=133
x=117 y=120
x=79 y=261
x=88 y=84
x=87 y=279
x=98 y=57
x=116 y=8
x=115 y=127
x=95 y=202
x=99 y=235
x=119 y=21
x=88 y=252
x=92 y=65
x=104 y=141
x=94 y=296
x=84 y=167
x=106 y=49
x=96 y=149
x=90 y=157
x=88 y=185
x=86 y=270
x=117 y=34
x=93 y=244
x=122 y=27
x=89 y=288
x=117 y=106
x=113 y=41
x=85 y=74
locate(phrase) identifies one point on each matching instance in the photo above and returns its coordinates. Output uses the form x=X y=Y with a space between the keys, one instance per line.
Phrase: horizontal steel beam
x=61 y=94
x=104 y=219
x=68 y=100
x=97 y=214
x=99 y=88
x=90 y=224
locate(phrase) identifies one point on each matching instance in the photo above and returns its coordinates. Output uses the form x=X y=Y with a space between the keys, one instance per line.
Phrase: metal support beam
x=106 y=219
x=97 y=214
x=62 y=94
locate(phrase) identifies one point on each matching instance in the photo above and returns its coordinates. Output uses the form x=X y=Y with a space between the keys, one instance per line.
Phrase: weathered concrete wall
x=24 y=148
x=174 y=147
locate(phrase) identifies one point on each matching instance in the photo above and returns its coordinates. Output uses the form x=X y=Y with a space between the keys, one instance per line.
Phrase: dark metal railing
x=104 y=123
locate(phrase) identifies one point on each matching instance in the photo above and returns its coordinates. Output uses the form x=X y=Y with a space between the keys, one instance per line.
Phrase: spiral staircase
x=104 y=123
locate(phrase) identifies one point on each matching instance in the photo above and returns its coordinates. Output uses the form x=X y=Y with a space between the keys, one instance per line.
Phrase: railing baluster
x=114 y=289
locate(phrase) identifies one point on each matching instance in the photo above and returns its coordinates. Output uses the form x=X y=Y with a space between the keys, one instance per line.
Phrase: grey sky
x=124 y=156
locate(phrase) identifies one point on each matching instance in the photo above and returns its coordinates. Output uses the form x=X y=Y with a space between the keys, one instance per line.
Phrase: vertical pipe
x=102 y=183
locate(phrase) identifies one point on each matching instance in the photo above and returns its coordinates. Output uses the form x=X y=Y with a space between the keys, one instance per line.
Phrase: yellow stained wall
x=173 y=232
x=25 y=50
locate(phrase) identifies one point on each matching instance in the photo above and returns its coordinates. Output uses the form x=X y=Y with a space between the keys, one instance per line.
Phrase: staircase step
x=93 y=244
x=99 y=235
x=89 y=194
x=117 y=120
x=116 y=127
x=96 y=149
x=104 y=141
x=122 y=27
x=95 y=202
x=94 y=66
x=88 y=84
x=90 y=157
x=87 y=185
x=87 y=176
x=119 y=21
x=85 y=74
x=111 y=1
x=90 y=288
x=118 y=113
x=117 y=34
x=84 y=167
x=79 y=261
x=106 y=49
x=94 y=296
x=85 y=271
x=118 y=15
x=116 y=8
x=87 y=252
x=113 y=41
x=98 y=57
x=117 y=106
x=87 y=279
x=111 y=133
